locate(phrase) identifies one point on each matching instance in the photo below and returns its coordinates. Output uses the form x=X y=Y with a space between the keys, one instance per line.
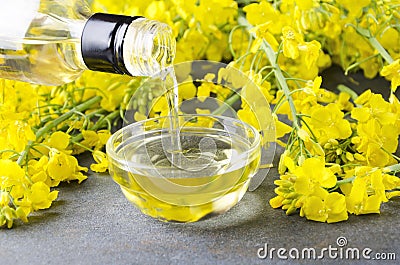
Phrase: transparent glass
x=40 y=42
x=149 y=47
x=153 y=97
x=47 y=48
x=221 y=156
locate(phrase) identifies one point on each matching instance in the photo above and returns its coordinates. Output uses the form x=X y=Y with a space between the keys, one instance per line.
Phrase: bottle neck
x=126 y=45
x=102 y=42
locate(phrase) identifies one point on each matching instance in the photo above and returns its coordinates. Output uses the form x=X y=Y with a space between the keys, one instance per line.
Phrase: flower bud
x=292 y=209
x=4 y=198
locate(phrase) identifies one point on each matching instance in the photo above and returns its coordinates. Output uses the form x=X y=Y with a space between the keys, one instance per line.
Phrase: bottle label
x=15 y=19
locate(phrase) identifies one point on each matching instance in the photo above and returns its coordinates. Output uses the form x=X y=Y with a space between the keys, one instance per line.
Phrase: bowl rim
x=110 y=148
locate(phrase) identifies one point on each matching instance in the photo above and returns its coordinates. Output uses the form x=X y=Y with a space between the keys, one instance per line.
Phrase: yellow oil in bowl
x=212 y=174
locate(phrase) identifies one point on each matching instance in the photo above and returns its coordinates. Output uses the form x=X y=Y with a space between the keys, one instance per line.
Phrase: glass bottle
x=52 y=42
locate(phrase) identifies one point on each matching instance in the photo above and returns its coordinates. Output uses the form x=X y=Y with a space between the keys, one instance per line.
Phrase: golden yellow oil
x=52 y=62
x=213 y=176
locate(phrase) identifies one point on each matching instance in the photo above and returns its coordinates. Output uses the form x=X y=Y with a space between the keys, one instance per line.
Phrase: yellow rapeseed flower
x=19 y=134
x=95 y=139
x=392 y=72
x=375 y=107
x=354 y=7
x=12 y=177
x=63 y=167
x=305 y=4
x=59 y=140
x=312 y=52
x=358 y=201
x=291 y=42
x=101 y=162
x=39 y=196
x=330 y=209
x=327 y=122
x=247 y=115
x=313 y=176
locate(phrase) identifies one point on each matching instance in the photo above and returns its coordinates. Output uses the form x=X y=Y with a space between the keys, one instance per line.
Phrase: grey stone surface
x=93 y=223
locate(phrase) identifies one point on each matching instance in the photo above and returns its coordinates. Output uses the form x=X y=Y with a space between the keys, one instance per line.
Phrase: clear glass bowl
x=212 y=173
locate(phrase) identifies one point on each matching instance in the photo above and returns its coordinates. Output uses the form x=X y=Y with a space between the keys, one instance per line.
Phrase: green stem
x=272 y=57
x=389 y=153
x=253 y=61
x=278 y=104
x=109 y=117
x=348 y=90
x=24 y=153
x=374 y=42
x=341 y=182
x=48 y=127
x=382 y=51
x=229 y=102
x=83 y=146
x=230 y=38
x=393 y=168
x=345 y=181
x=356 y=64
x=82 y=107
x=77 y=138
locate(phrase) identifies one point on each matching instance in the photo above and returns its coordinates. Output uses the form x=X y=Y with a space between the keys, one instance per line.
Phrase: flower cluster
x=340 y=157
x=340 y=149
x=41 y=130
x=201 y=28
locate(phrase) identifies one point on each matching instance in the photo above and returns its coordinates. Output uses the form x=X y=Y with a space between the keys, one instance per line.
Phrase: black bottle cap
x=102 y=42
